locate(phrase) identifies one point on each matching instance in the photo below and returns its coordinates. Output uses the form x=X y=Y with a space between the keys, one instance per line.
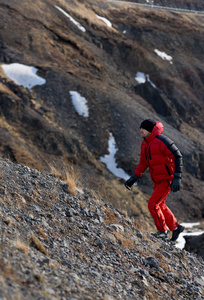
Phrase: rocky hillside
x=75 y=49
x=180 y=4
x=56 y=245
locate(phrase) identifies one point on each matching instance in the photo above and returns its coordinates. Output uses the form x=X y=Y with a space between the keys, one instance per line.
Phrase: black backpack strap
x=174 y=150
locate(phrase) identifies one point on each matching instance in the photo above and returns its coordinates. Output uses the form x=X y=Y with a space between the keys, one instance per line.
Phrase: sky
x=27 y=77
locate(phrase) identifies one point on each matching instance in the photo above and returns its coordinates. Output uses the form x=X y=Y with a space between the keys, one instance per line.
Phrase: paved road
x=160 y=7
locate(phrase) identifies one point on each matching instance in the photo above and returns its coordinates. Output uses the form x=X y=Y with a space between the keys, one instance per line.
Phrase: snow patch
x=163 y=55
x=80 y=104
x=23 y=75
x=71 y=19
x=181 y=241
x=142 y=78
x=108 y=23
x=109 y=159
x=190 y=225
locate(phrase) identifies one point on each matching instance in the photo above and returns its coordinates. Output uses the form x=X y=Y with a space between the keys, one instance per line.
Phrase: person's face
x=144 y=133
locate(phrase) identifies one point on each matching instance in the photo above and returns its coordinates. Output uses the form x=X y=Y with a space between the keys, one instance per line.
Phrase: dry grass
x=81 y=255
x=71 y=180
x=8 y=221
x=151 y=295
x=55 y=172
x=144 y=225
x=35 y=193
x=95 y=196
x=4 y=89
x=133 y=210
x=19 y=197
x=79 y=9
x=22 y=247
x=5 y=268
x=42 y=233
x=125 y=241
x=38 y=245
x=16 y=218
x=194 y=134
x=110 y=217
x=67 y=174
x=53 y=264
x=163 y=263
x=53 y=196
x=31 y=200
x=82 y=204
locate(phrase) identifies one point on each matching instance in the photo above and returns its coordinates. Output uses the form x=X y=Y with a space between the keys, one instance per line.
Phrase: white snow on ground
x=71 y=19
x=190 y=225
x=80 y=104
x=109 y=159
x=142 y=78
x=181 y=241
x=108 y=23
x=26 y=76
x=163 y=55
x=23 y=75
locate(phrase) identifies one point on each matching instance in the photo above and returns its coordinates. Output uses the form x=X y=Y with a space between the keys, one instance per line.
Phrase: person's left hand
x=176 y=182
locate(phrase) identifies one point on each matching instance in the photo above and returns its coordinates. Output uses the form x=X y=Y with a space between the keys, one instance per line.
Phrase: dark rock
x=195 y=244
x=152 y=262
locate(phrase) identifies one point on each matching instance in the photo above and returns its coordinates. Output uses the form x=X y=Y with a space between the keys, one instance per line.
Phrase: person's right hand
x=134 y=178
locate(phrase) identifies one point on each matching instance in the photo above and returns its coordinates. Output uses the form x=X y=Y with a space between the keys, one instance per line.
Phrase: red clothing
x=162 y=215
x=163 y=158
x=156 y=156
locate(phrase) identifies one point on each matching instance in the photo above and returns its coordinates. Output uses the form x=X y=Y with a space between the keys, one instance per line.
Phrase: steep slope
x=40 y=126
x=180 y=4
x=55 y=245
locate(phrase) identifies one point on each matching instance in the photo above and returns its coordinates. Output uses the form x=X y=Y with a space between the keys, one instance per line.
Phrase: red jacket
x=160 y=155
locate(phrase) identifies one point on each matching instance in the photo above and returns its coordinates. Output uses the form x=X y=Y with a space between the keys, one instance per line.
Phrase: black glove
x=176 y=182
x=134 y=178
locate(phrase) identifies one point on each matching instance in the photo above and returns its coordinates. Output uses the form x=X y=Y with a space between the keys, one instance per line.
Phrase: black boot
x=176 y=232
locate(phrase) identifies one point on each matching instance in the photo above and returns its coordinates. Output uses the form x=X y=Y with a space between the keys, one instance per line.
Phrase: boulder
x=195 y=244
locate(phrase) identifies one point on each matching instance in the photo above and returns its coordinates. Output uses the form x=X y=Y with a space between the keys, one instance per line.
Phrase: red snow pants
x=162 y=215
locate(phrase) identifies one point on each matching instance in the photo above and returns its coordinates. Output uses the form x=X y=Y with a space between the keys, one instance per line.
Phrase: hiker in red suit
x=165 y=164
